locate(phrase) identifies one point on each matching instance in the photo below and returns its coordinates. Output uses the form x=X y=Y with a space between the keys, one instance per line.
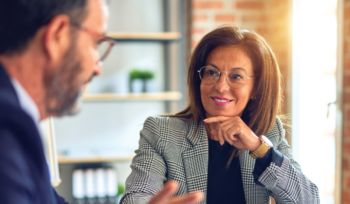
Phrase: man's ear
x=57 y=37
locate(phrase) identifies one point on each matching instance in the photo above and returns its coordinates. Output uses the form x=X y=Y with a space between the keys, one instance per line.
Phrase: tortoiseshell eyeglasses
x=104 y=45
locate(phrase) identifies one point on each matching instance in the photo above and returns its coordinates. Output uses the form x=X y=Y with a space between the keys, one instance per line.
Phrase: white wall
x=112 y=128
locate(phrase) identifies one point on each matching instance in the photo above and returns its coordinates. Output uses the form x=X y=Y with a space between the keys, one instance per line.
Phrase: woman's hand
x=235 y=132
x=165 y=195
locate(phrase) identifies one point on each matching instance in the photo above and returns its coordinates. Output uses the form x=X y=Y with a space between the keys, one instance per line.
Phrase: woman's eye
x=236 y=77
x=210 y=72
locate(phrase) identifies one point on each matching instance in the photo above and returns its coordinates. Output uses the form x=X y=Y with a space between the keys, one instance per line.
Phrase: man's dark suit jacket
x=24 y=175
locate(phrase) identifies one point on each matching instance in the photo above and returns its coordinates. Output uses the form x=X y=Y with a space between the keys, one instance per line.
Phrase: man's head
x=63 y=35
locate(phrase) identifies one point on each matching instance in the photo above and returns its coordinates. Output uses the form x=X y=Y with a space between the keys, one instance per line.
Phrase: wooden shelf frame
x=160 y=96
x=93 y=159
x=132 y=36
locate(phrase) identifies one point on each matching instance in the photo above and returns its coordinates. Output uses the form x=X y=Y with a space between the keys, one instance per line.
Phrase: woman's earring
x=254 y=98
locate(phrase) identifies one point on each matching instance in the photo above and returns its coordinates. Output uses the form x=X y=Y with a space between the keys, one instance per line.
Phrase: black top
x=225 y=184
x=24 y=175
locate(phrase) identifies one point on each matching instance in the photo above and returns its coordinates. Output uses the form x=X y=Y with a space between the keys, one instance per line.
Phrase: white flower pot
x=136 y=86
x=150 y=86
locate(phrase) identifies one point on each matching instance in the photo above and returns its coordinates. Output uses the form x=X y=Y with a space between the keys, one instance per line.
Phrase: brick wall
x=346 y=100
x=210 y=14
x=270 y=18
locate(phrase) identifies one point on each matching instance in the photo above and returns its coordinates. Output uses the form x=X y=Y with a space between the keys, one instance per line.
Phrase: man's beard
x=63 y=90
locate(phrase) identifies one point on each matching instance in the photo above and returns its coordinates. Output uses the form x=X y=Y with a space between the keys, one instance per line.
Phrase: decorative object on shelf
x=136 y=81
x=121 y=189
x=95 y=186
x=148 y=81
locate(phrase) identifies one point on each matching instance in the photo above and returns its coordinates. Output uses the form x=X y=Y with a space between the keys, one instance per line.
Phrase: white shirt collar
x=26 y=102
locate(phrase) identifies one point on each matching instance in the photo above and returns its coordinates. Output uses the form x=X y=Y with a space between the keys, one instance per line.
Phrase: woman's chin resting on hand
x=229 y=143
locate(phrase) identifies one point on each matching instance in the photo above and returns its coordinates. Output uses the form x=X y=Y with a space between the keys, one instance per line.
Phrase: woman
x=217 y=144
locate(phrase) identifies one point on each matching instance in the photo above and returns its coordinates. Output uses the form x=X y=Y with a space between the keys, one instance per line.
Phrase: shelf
x=124 y=36
x=96 y=159
x=163 y=96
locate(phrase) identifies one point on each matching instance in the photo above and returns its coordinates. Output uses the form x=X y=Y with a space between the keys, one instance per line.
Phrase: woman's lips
x=219 y=101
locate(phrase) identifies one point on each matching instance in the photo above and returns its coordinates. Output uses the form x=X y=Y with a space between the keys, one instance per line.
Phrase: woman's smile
x=220 y=101
x=220 y=98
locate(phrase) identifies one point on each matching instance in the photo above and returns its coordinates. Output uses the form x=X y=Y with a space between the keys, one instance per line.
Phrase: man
x=47 y=54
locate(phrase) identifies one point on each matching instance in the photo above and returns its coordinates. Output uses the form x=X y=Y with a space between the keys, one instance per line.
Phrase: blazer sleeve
x=148 y=167
x=14 y=179
x=285 y=180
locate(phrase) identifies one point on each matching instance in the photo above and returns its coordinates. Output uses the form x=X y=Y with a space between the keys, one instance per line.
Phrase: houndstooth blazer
x=169 y=150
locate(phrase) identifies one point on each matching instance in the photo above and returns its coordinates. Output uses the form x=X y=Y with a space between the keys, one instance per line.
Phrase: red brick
x=347 y=116
x=345 y=197
x=346 y=148
x=281 y=55
x=194 y=43
x=346 y=133
x=207 y=5
x=279 y=3
x=345 y=165
x=249 y=5
x=225 y=18
x=280 y=16
x=346 y=98
x=199 y=17
x=347 y=13
x=347 y=30
x=346 y=81
x=347 y=63
x=253 y=18
x=199 y=31
x=346 y=48
x=346 y=181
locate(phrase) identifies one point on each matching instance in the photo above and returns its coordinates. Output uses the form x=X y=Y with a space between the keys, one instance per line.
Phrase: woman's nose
x=98 y=68
x=222 y=85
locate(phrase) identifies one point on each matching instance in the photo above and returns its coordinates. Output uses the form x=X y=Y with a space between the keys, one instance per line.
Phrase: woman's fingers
x=232 y=132
x=224 y=129
x=220 y=136
x=165 y=195
x=216 y=119
x=188 y=199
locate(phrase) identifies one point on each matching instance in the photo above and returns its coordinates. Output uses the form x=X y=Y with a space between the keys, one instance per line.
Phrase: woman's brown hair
x=261 y=112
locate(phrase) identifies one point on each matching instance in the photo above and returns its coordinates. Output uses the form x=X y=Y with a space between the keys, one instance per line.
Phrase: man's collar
x=25 y=101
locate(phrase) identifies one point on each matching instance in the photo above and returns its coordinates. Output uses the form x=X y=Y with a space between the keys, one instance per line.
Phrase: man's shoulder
x=11 y=113
x=18 y=132
x=24 y=169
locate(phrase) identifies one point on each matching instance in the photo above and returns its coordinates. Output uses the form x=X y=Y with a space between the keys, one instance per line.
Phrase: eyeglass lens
x=103 y=49
x=210 y=75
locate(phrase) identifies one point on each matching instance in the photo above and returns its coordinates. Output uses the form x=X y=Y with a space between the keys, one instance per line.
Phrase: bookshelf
x=152 y=36
x=162 y=96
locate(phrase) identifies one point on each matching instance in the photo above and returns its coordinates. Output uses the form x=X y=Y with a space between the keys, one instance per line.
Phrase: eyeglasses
x=104 y=45
x=236 y=77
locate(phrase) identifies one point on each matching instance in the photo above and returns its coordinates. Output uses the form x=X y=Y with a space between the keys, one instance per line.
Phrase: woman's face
x=221 y=99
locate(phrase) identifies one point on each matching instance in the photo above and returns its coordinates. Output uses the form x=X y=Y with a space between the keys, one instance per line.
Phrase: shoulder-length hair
x=261 y=112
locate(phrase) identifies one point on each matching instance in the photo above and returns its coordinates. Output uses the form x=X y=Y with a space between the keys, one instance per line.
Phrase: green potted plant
x=136 y=81
x=148 y=81
x=121 y=189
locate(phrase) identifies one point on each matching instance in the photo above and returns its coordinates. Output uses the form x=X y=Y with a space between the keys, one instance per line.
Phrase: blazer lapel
x=254 y=194
x=196 y=159
x=7 y=92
